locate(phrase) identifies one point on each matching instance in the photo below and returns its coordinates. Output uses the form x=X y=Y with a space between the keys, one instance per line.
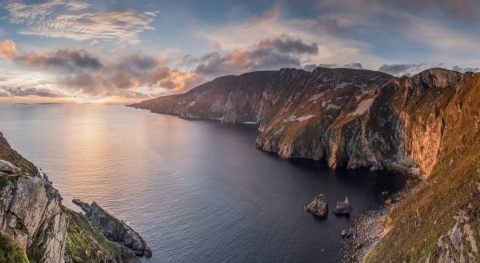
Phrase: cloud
x=332 y=25
x=78 y=21
x=466 y=69
x=402 y=69
x=7 y=49
x=458 y=9
x=66 y=59
x=270 y=53
x=318 y=33
x=285 y=44
x=27 y=92
x=311 y=67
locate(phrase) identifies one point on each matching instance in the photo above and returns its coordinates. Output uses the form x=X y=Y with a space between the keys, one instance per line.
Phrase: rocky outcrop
x=86 y=244
x=31 y=213
x=318 y=207
x=343 y=208
x=459 y=244
x=114 y=229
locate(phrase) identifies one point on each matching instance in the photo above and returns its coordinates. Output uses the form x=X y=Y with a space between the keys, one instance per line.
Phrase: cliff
x=353 y=118
x=36 y=227
x=31 y=213
x=426 y=125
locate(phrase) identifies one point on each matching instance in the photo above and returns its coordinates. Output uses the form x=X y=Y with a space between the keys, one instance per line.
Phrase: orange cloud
x=7 y=49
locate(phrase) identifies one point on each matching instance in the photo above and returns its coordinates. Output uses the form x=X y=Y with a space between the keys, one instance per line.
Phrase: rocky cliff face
x=352 y=118
x=31 y=213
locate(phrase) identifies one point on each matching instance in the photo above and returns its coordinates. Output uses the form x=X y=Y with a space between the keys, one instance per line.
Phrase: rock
x=343 y=208
x=388 y=201
x=84 y=206
x=114 y=229
x=8 y=167
x=345 y=233
x=318 y=207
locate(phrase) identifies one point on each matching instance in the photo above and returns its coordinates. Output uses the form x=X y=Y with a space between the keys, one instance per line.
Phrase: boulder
x=345 y=233
x=318 y=207
x=343 y=207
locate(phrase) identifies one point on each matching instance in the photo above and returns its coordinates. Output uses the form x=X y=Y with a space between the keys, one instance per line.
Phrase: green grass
x=11 y=252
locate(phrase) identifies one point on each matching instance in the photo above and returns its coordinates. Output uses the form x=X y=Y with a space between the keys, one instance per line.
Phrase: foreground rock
x=318 y=207
x=343 y=208
x=114 y=229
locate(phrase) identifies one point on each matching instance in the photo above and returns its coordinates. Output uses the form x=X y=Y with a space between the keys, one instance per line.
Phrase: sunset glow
x=124 y=52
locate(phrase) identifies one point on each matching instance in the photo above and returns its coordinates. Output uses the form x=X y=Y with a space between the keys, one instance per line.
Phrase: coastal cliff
x=31 y=213
x=36 y=227
x=352 y=118
x=426 y=125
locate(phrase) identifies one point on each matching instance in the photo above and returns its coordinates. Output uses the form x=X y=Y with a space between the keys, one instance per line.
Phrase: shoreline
x=367 y=230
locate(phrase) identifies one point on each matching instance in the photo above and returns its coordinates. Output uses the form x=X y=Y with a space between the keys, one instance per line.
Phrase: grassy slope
x=417 y=223
x=10 y=252
x=86 y=244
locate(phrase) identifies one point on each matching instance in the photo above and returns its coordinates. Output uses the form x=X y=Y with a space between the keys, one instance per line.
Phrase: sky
x=123 y=51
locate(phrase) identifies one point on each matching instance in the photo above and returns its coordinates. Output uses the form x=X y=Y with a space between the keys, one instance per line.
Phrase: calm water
x=197 y=191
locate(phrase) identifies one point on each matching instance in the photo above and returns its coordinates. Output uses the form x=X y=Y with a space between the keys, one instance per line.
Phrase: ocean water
x=197 y=191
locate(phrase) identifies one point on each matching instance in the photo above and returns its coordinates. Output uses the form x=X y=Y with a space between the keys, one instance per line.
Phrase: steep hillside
x=425 y=125
x=441 y=221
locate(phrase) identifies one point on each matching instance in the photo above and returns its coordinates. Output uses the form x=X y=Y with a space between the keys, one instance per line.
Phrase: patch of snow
x=362 y=107
x=249 y=122
x=317 y=96
x=342 y=85
x=332 y=106
x=345 y=84
x=302 y=118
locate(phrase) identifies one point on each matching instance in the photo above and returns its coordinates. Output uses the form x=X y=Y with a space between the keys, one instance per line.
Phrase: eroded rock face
x=114 y=229
x=352 y=118
x=318 y=207
x=30 y=208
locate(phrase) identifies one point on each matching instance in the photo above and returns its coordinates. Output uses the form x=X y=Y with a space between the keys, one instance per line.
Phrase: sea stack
x=343 y=208
x=318 y=207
